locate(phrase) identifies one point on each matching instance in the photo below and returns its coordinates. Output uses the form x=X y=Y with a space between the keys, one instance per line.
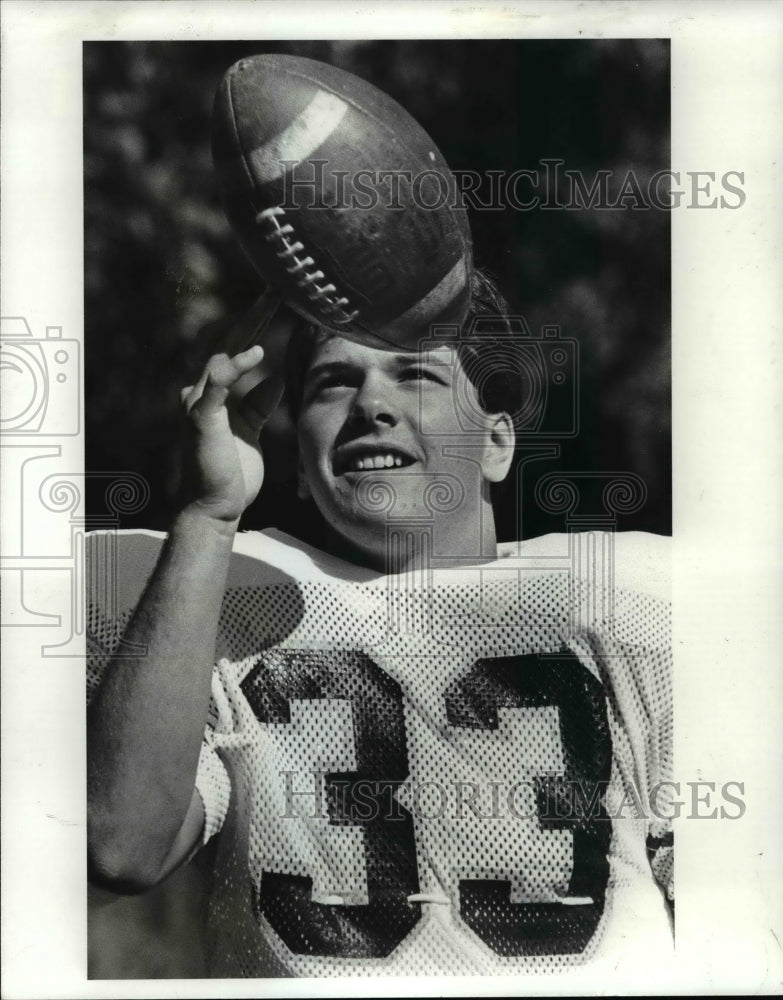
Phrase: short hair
x=498 y=389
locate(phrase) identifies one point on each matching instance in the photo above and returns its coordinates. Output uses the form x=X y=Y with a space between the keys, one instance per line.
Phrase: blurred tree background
x=161 y=262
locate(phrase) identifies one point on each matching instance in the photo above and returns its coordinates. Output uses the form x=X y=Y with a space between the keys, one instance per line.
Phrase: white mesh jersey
x=454 y=772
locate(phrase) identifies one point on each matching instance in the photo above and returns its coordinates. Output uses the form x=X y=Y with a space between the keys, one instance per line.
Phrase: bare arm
x=147 y=719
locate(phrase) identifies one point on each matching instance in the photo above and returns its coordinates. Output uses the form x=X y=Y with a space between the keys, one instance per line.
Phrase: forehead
x=332 y=349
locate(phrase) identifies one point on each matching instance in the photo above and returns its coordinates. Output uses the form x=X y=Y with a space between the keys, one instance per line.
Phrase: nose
x=373 y=404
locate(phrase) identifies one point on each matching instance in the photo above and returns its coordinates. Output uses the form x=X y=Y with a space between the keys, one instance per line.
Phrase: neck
x=441 y=543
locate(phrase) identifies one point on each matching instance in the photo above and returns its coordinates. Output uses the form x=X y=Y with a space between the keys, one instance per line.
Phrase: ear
x=302 y=486
x=499 y=448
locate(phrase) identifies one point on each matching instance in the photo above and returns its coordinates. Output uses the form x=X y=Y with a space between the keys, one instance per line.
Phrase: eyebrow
x=327 y=367
x=397 y=360
x=398 y=363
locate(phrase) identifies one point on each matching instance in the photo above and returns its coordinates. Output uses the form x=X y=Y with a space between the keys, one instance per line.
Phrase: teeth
x=387 y=461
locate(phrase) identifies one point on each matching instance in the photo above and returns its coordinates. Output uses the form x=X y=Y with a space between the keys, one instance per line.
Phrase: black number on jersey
x=376 y=928
x=572 y=800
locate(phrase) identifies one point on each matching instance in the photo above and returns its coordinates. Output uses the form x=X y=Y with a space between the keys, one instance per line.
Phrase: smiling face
x=380 y=438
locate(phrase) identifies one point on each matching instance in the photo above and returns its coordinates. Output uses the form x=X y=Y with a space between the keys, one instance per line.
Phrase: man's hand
x=146 y=721
x=223 y=468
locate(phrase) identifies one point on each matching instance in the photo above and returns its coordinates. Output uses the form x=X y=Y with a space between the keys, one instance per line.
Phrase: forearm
x=147 y=720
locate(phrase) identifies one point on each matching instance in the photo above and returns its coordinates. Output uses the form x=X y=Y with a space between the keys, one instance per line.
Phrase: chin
x=358 y=514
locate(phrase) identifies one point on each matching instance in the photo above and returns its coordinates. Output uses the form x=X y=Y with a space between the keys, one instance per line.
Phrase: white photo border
x=726 y=115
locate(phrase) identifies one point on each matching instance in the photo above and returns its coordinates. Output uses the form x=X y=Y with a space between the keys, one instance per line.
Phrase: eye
x=422 y=373
x=329 y=383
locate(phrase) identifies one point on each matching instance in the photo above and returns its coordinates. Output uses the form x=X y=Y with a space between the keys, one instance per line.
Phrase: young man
x=419 y=754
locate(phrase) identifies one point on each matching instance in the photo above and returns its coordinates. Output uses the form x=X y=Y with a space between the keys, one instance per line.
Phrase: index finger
x=220 y=373
x=260 y=402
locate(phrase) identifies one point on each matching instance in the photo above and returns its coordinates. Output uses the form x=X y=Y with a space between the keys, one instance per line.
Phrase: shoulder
x=259 y=558
x=135 y=543
x=643 y=563
x=636 y=561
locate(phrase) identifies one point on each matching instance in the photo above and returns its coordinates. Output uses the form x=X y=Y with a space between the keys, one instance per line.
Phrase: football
x=341 y=201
